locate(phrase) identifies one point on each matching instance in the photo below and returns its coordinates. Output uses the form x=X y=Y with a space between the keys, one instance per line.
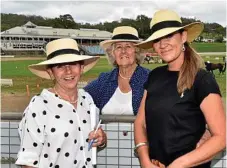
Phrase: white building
x=30 y=37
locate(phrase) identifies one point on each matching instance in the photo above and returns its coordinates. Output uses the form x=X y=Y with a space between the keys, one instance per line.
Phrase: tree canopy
x=66 y=21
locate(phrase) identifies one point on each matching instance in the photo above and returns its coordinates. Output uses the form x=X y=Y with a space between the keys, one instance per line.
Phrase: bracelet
x=102 y=146
x=137 y=146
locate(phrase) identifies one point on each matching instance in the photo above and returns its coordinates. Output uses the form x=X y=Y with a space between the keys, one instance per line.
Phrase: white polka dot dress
x=55 y=134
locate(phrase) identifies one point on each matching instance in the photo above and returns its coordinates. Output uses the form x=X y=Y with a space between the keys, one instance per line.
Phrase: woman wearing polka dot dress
x=56 y=125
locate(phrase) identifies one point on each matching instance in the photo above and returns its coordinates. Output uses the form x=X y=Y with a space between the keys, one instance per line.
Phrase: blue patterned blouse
x=103 y=88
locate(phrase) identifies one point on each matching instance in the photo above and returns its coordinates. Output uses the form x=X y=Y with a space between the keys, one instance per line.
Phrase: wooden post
x=37 y=86
x=28 y=92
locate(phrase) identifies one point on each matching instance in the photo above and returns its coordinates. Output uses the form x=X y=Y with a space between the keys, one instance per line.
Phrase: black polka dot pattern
x=59 y=149
x=35 y=162
x=44 y=112
x=62 y=126
x=52 y=129
x=67 y=154
x=60 y=105
x=57 y=116
x=66 y=134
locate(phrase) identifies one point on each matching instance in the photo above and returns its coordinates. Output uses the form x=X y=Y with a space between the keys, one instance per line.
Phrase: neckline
x=71 y=102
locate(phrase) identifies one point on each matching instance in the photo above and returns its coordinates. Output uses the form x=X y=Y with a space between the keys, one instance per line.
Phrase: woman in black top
x=179 y=99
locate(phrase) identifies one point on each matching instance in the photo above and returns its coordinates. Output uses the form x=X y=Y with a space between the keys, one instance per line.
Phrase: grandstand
x=33 y=38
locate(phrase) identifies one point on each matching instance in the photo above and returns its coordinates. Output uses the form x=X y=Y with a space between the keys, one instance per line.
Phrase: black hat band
x=61 y=52
x=124 y=36
x=165 y=24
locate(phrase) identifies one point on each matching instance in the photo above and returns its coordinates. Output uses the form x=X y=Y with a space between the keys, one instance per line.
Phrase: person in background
x=179 y=99
x=120 y=91
x=56 y=125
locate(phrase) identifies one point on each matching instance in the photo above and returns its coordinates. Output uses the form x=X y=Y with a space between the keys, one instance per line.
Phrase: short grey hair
x=109 y=53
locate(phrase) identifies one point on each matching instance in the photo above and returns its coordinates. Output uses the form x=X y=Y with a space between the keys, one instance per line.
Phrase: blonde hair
x=193 y=62
x=109 y=53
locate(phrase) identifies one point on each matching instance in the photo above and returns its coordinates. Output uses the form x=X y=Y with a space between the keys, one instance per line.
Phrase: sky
x=208 y=11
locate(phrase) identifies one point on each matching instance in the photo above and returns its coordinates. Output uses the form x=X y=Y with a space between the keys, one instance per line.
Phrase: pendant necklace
x=72 y=102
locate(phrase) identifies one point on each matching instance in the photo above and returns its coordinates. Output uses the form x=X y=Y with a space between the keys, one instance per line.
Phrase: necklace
x=72 y=102
x=126 y=78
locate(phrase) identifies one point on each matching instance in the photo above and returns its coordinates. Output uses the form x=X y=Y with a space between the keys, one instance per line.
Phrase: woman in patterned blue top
x=120 y=91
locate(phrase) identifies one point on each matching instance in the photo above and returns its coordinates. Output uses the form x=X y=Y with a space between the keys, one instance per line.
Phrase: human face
x=67 y=75
x=169 y=47
x=124 y=53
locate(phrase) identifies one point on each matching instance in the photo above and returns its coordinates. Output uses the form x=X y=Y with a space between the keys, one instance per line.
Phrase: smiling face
x=66 y=75
x=169 y=47
x=124 y=53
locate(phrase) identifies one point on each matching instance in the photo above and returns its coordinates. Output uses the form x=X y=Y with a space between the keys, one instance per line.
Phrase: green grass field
x=18 y=71
x=209 y=47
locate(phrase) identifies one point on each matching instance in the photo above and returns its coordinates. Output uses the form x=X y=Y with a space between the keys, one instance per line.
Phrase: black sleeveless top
x=175 y=122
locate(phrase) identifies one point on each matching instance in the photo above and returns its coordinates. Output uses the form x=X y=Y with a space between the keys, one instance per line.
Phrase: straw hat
x=121 y=34
x=62 y=51
x=166 y=22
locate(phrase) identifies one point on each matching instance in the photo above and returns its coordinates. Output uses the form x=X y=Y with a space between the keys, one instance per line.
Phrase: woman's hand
x=157 y=163
x=149 y=165
x=100 y=138
x=205 y=137
x=175 y=164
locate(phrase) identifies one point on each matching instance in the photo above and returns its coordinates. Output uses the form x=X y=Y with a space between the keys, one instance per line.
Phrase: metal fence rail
x=117 y=154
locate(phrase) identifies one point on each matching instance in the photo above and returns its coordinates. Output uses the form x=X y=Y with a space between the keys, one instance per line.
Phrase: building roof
x=30 y=29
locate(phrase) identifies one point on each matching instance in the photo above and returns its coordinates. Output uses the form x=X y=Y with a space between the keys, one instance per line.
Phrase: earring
x=183 y=48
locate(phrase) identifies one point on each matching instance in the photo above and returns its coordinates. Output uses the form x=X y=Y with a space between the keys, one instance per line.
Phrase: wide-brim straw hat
x=165 y=22
x=121 y=34
x=63 y=50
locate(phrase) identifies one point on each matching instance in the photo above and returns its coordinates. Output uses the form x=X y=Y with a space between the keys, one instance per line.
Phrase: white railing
x=117 y=154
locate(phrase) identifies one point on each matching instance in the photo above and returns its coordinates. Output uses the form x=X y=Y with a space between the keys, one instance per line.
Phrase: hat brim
x=107 y=43
x=40 y=69
x=193 y=31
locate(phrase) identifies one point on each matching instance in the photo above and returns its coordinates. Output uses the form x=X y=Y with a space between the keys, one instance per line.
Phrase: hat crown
x=164 y=15
x=61 y=44
x=125 y=30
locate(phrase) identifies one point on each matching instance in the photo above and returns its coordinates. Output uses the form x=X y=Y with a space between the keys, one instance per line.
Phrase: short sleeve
x=31 y=131
x=205 y=85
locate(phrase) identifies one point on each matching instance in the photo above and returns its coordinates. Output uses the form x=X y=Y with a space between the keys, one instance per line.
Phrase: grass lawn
x=209 y=47
x=18 y=71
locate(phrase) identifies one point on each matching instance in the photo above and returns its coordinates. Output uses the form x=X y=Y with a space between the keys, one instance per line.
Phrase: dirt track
x=13 y=103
